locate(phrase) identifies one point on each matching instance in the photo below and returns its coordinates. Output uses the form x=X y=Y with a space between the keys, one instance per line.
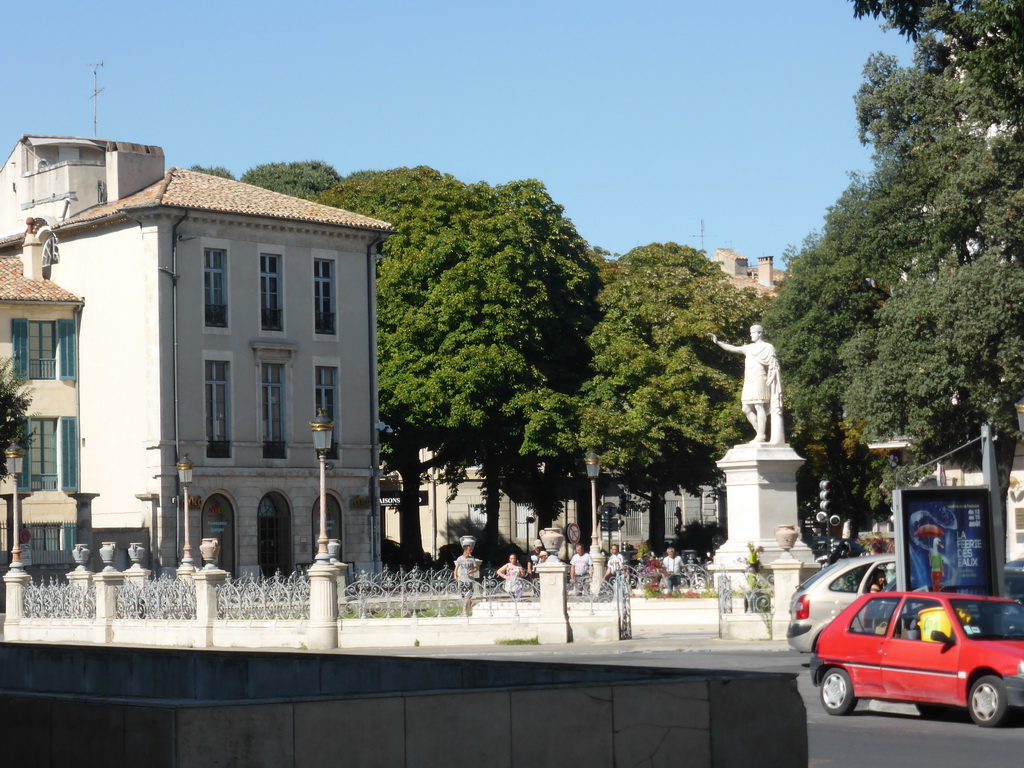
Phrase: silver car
x=817 y=601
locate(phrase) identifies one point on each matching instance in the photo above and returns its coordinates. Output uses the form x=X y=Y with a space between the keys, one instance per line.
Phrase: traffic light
x=612 y=523
x=825 y=501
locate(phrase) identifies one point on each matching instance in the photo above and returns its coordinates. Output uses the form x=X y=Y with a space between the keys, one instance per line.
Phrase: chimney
x=764 y=270
x=32 y=251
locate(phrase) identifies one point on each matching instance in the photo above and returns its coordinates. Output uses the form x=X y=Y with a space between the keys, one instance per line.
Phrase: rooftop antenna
x=95 y=95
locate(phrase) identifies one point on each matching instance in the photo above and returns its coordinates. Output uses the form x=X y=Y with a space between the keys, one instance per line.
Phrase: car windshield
x=989 y=619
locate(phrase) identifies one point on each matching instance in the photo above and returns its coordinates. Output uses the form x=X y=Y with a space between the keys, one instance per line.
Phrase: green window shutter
x=66 y=349
x=19 y=339
x=25 y=478
x=69 y=453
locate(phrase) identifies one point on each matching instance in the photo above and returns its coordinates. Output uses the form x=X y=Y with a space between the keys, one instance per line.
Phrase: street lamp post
x=323 y=429
x=593 y=472
x=185 y=478
x=15 y=456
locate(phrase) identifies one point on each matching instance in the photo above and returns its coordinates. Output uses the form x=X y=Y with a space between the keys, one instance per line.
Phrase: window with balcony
x=272 y=407
x=325 y=395
x=271 y=313
x=44 y=349
x=323 y=296
x=215 y=287
x=51 y=455
x=218 y=436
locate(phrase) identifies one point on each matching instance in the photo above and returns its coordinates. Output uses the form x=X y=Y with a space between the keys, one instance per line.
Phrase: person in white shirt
x=580 y=569
x=673 y=570
x=616 y=563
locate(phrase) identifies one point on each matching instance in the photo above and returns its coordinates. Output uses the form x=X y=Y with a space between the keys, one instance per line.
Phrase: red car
x=936 y=650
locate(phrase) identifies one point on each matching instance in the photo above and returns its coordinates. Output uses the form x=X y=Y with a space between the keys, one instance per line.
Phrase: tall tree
x=15 y=399
x=217 y=170
x=663 y=403
x=304 y=178
x=485 y=298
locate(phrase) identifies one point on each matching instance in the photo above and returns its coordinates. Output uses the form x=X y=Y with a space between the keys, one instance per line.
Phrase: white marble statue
x=762 y=386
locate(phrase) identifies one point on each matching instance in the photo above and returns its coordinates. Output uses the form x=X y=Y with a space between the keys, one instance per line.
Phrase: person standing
x=673 y=570
x=466 y=570
x=512 y=573
x=616 y=564
x=580 y=569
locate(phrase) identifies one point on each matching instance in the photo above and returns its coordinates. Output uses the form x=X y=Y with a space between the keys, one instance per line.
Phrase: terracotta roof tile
x=14 y=286
x=201 y=191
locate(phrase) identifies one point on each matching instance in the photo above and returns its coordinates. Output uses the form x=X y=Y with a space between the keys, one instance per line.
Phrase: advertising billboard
x=944 y=540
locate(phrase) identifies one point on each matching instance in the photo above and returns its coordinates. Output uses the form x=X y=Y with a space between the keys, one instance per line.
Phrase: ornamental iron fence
x=53 y=599
x=257 y=597
x=161 y=598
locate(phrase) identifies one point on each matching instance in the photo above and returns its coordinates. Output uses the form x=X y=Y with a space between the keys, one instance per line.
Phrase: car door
x=914 y=666
x=863 y=643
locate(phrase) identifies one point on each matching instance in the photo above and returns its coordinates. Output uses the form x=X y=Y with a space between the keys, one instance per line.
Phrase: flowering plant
x=876 y=543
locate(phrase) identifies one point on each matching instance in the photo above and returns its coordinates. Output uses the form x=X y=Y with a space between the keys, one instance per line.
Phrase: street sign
x=25 y=536
x=572 y=533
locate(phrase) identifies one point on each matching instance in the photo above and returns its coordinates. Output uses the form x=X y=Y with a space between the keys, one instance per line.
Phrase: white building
x=212 y=319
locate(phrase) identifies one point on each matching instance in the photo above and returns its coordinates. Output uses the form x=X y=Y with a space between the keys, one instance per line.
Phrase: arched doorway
x=219 y=523
x=273 y=525
x=333 y=524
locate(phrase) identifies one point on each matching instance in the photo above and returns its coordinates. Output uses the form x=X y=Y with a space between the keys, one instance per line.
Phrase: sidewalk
x=681 y=638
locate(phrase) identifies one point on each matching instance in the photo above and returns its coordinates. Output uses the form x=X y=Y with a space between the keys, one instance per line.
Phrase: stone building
x=206 y=318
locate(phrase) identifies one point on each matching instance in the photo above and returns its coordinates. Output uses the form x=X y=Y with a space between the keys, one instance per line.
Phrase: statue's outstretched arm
x=723 y=345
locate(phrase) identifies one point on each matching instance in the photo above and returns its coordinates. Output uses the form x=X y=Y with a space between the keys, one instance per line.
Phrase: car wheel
x=837 y=692
x=987 y=702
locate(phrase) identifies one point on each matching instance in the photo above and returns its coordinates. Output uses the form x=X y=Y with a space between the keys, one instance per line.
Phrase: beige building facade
x=213 y=320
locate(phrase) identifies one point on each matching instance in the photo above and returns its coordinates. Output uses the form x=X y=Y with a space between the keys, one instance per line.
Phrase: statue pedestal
x=760 y=485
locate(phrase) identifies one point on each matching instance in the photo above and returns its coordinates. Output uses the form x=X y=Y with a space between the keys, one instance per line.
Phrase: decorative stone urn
x=786 y=536
x=136 y=552
x=334 y=549
x=552 y=538
x=80 y=554
x=467 y=541
x=209 y=549
x=107 y=553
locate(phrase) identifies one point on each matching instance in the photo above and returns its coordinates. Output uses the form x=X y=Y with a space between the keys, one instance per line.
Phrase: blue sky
x=642 y=119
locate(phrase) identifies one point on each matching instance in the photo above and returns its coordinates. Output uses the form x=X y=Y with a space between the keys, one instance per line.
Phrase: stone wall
x=167 y=708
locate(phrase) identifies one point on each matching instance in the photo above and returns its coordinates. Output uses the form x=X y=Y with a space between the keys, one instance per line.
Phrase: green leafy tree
x=15 y=399
x=304 y=178
x=217 y=170
x=886 y=317
x=663 y=403
x=486 y=296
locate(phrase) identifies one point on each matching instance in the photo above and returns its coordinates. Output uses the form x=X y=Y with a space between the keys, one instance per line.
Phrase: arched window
x=273 y=526
x=219 y=523
x=334 y=530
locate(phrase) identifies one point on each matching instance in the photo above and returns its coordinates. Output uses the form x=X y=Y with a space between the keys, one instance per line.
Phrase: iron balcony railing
x=272 y=319
x=324 y=322
x=217 y=315
x=46 y=482
x=42 y=368
x=275 y=449
x=218 y=449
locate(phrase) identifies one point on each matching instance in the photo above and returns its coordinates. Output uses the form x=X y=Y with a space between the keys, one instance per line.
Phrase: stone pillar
x=15 y=581
x=136 y=575
x=322 y=629
x=107 y=583
x=553 y=625
x=760 y=484
x=206 y=581
x=597 y=577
